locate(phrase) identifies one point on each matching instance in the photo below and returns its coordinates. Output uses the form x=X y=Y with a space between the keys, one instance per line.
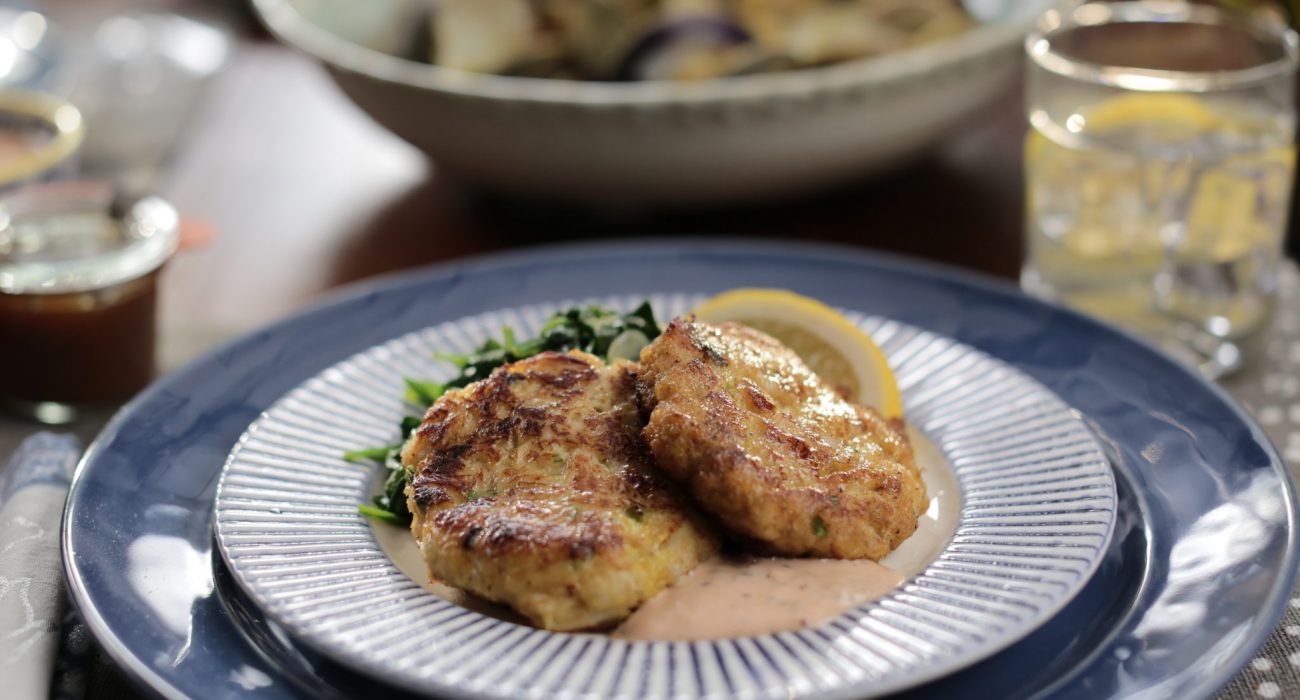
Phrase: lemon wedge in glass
x=838 y=351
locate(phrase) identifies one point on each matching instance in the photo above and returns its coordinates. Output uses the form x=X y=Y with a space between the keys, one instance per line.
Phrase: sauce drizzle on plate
x=724 y=597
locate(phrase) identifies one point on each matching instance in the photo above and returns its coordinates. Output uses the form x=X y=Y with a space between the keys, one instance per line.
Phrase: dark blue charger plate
x=1197 y=575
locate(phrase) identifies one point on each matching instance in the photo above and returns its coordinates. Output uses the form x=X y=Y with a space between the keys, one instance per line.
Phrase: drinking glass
x=1158 y=169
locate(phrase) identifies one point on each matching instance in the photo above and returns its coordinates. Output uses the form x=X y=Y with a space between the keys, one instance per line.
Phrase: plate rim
x=920 y=675
x=1274 y=602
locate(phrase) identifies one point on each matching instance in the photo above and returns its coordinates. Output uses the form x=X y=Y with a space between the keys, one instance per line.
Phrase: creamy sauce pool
x=724 y=597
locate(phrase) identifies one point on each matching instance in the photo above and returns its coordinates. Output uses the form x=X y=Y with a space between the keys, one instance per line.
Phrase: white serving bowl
x=724 y=140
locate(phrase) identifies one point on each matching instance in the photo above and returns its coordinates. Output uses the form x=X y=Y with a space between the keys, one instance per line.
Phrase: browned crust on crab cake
x=533 y=488
x=771 y=450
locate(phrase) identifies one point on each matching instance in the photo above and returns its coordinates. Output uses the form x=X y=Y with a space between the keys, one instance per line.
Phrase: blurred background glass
x=140 y=76
x=1159 y=167
x=30 y=49
x=138 y=71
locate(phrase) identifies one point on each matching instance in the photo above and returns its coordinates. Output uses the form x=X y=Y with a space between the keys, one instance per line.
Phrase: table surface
x=306 y=193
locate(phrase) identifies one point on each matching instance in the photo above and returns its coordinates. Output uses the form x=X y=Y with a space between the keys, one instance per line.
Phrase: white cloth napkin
x=33 y=487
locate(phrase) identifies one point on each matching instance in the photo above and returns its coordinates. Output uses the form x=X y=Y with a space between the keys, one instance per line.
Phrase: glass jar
x=78 y=296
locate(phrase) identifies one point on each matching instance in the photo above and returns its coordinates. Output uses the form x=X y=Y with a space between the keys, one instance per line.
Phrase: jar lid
x=65 y=237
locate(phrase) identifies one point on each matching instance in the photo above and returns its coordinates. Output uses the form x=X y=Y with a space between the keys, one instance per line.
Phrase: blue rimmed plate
x=1037 y=509
x=1201 y=563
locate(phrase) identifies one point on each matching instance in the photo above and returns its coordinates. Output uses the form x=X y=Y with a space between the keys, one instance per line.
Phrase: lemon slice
x=1148 y=108
x=834 y=348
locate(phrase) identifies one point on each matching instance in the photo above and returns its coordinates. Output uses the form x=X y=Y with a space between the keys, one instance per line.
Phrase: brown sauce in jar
x=81 y=347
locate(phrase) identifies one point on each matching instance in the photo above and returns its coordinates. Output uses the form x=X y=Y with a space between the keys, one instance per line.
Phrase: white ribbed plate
x=1038 y=505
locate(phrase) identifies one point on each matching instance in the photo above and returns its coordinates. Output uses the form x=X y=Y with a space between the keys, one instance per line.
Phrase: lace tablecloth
x=1270 y=389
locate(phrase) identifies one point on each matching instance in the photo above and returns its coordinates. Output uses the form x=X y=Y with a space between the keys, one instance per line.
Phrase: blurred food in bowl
x=762 y=133
x=677 y=39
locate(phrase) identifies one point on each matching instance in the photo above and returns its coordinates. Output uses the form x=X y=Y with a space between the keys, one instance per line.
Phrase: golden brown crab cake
x=763 y=444
x=533 y=488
